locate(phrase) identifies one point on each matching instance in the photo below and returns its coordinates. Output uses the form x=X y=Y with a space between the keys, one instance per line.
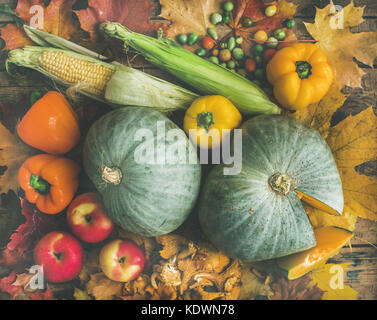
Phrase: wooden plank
x=306 y=8
x=361 y=275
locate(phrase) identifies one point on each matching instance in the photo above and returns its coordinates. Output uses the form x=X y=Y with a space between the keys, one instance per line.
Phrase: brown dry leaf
x=250 y=283
x=186 y=16
x=341 y=45
x=298 y=289
x=79 y=294
x=210 y=260
x=164 y=292
x=171 y=245
x=102 y=288
x=13 y=153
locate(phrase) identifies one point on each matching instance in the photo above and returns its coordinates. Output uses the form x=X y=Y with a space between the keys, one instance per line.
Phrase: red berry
x=250 y=65
x=268 y=54
x=208 y=43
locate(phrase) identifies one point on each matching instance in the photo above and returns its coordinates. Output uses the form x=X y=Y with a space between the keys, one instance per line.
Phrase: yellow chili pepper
x=209 y=119
x=300 y=74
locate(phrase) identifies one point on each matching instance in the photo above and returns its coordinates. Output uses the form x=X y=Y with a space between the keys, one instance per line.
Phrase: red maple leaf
x=6 y=285
x=17 y=253
x=42 y=295
x=134 y=14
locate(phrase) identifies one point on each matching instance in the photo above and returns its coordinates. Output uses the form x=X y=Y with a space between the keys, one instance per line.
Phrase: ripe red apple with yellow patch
x=60 y=255
x=121 y=260
x=87 y=218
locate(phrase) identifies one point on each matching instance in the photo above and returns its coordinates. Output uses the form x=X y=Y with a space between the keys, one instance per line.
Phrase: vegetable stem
x=39 y=184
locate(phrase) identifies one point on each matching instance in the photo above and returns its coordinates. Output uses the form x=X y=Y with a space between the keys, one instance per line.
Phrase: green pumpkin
x=257 y=214
x=142 y=192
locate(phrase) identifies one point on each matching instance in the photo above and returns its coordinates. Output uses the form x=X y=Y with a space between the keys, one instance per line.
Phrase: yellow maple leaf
x=329 y=278
x=353 y=141
x=186 y=16
x=332 y=31
x=13 y=153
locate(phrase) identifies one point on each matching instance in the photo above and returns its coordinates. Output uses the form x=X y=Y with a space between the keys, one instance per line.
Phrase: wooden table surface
x=362 y=274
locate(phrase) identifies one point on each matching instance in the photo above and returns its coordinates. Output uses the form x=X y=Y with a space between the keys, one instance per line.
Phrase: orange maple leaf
x=58 y=19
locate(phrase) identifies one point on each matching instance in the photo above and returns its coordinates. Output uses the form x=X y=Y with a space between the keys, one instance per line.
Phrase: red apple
x=87 y=218
x=60 y=255
x=121 y=260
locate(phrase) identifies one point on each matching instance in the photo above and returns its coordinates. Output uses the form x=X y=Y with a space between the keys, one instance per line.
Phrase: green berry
x=228 y=6
x=239 y=40
x=258 y=61
x=214 y=59
x=247 y=22
x=289 y=23
x=238 y=54
x=223 y=64
x=182 y=39
x=231 y=43
x=224 y=45
x=192 y=38
x=231 y=64
x=259 y=74
x=216 y=18
x=270 y=11
x=201 y=52
x=279 y=34
x=272 y=42
x=226 y=17
x=257 y=50
x=213 y=33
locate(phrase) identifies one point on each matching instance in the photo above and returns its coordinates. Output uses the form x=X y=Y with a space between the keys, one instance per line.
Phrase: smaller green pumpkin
x=257 y=214
x=142 y=193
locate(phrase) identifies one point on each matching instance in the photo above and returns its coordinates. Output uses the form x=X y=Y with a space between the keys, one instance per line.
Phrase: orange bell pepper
x=50 y=125
x=50 y=182
x=300 y=75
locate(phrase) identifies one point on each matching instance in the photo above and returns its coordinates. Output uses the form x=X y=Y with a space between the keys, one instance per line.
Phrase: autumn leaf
x=341 y=45
x=186 y=16
x=81 y=295
x=134 y=14
x=13 y=153
x=6 y=285
x=353 y=141
x=18 y=250
x=102 y=288
x=326 y=278
x=14 y=37
x=58 y=19
x=10 y=217
x=298 y=289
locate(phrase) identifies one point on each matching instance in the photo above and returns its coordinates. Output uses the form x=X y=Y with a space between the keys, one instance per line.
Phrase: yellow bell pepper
x=209 y=119
x=300 y=74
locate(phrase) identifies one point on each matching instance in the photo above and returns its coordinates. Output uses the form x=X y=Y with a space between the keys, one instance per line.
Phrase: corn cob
x=73 y=70
x=109 y=82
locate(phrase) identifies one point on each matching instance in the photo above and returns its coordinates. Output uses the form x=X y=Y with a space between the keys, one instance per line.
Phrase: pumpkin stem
x=111 y=175
x=303 y=69
x=280 y=183
x=205 y=120
x=39 y=184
